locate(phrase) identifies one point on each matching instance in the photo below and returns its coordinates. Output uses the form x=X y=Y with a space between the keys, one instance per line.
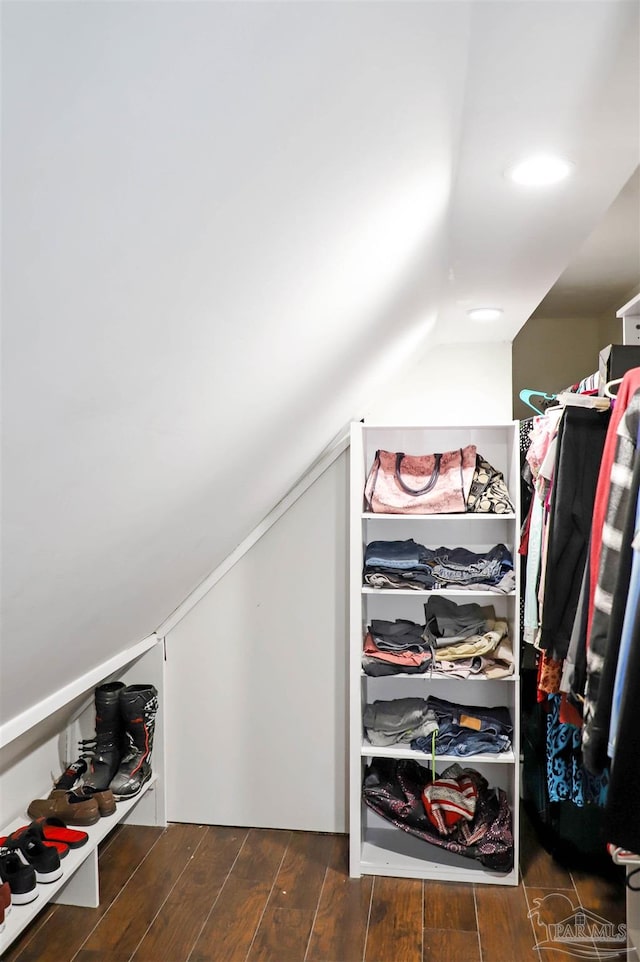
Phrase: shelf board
x=402 y=751
x=21 y=915
x=439 y=677
x=459 y=516
x=445 y=592
x=28 y=719
x=395 y=853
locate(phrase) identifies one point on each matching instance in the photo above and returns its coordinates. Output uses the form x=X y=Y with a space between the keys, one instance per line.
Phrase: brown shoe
x=73 y=809
x=106 y=801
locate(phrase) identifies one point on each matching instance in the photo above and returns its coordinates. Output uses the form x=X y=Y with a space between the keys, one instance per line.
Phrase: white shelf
x=465 y=761
x=476 y=517
x=22 y=723
x=79 y=883
x=377 y=847
x=392 y=852
x=77 y=860
x=448 y=679
x=445 y=592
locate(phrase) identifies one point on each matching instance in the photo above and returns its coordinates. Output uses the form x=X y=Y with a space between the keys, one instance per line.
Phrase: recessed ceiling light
x=540 y=170
x=485 y=313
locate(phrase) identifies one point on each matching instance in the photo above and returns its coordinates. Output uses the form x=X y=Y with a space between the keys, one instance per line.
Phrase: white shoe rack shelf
x=79 y=883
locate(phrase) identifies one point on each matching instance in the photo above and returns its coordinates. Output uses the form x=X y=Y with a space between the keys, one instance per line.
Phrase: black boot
x=139 y=706
x=104 y=756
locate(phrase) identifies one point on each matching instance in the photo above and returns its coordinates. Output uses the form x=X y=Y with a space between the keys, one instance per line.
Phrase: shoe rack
x=80 y=883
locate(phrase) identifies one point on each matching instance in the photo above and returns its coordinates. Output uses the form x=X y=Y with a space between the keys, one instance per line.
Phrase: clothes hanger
x=568 y=399
x=527 y=394
x=610 y=384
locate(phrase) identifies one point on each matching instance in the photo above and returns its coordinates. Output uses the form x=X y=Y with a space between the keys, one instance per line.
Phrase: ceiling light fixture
x=541 y=170
x=485 y=313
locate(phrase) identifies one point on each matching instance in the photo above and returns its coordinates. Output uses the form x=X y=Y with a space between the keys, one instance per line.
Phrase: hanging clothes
x=565 y=458
x=574 y=672
x=567 y=777
x=539 y=461
x=626 y=639
x=622 y=824
x=611 y=589
x=629 y=385
x=581 y=438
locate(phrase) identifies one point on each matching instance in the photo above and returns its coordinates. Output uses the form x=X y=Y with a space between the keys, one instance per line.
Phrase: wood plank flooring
x=193 y=893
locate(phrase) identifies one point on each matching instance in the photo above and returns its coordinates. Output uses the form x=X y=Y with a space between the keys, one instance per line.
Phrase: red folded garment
x=448 y=801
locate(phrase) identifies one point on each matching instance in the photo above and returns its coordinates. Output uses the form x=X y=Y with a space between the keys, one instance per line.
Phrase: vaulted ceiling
x=218 y=219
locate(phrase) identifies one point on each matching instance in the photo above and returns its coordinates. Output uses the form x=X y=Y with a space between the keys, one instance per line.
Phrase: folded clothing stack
x=407 y=564
x=458 y=632
x=457 y=640
x=400 y=720
x=467 y=729
x=447 y=623
x=460 y=729
x=396 y=646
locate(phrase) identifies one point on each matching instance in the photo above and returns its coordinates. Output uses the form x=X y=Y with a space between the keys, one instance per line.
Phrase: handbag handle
x=430 y=483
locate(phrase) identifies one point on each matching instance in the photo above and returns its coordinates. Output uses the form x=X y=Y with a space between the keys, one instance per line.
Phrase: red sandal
x=53 y=829
x=61 y=847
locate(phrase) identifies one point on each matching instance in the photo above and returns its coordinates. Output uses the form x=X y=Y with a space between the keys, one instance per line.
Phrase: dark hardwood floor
x=196 y=893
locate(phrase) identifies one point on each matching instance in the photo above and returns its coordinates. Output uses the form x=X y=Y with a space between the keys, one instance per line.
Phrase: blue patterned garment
x=567 y=778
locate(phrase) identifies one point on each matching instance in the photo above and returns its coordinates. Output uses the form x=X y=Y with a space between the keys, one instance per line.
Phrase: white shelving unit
x=79 y=883
x=631 y=864
x=376 y=846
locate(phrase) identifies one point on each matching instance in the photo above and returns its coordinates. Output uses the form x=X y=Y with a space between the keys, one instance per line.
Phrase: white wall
x=211 y=221
x=550 y=354
x=256 y=678
x=448 y=384
x=256 y=673
x=29 y=764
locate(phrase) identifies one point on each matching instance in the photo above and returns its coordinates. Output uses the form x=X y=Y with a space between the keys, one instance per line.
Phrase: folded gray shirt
x=448 y=623
x=399 y=720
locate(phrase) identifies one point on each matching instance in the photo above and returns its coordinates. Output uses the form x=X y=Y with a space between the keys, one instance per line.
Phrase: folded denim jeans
x=435 y=567
x=452 y=740
x=394 y=554
x=496 y=720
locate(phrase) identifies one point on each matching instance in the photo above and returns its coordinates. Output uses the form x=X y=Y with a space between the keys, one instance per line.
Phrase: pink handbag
x=420 y=484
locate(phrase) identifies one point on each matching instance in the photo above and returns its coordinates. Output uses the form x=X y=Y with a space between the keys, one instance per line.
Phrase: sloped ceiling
x=223 y=223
